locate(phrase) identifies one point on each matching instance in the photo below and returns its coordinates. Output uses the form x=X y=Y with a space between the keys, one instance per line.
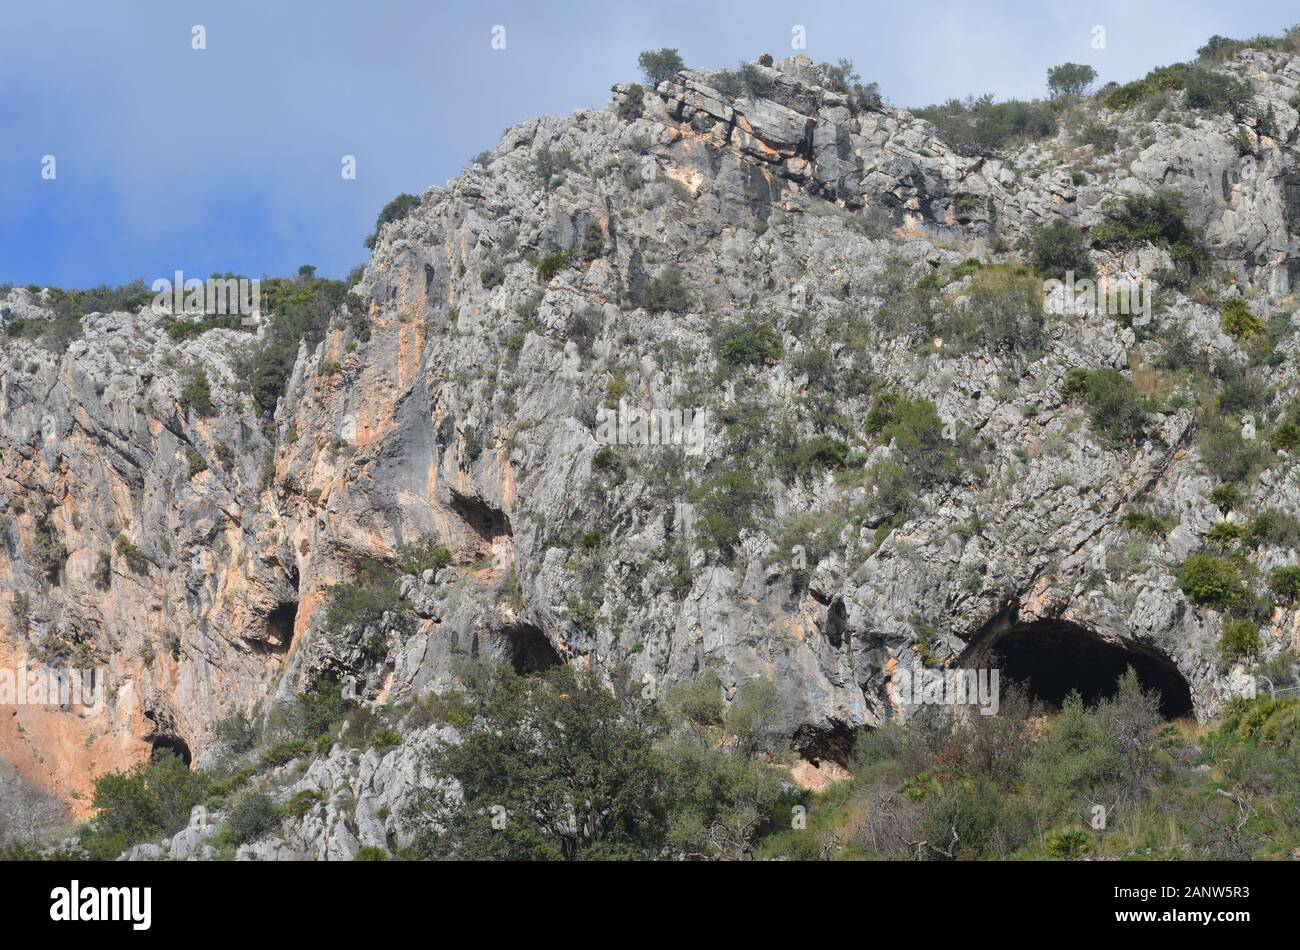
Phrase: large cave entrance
x=175 y=745
x=528 y=649
x=1055 y=657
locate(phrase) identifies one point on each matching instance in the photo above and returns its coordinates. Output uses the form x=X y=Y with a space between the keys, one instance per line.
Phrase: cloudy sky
x=228 y=158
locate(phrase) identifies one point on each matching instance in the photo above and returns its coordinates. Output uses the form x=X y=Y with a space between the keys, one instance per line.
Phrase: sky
x=230 y=157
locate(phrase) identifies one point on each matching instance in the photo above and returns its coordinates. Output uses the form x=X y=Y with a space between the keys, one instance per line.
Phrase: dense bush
x=1285 y=582
x=1210 y=581
x=1117 y=411
x=550 y=767
x=664 y=293
x=1159 y=219
x=1161 y=79
x=1001 y=312
x=1216 y=92
x=728 y=501
x=364 y=599
x=253 y=816
x=1237 y=320
x=151 y=800
x=553 y=263
x=746 y=343
x=1239 y=639
x=1058 y=248
x=300 y=311
x=196 y=395
x=632 y=106
x=980 y=126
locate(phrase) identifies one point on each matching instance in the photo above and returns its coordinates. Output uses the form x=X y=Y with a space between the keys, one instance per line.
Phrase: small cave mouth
x=528 y=650
x=279 y=626
x=832 y=742
x=487 y=522
x=163 y=744
x=1053 y=658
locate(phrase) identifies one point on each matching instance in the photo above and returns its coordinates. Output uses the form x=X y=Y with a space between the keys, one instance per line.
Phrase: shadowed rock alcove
x=173 y=744
x=1054 y=657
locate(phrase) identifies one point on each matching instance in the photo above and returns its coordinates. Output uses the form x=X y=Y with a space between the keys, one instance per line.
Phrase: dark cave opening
x=1054 y=657
x=173 y=744
x=528 y=650
x=832 y=742
x=487 y=522
x=279 y=626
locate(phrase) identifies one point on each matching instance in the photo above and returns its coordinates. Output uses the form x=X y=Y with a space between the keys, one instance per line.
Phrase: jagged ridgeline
x=722 y=421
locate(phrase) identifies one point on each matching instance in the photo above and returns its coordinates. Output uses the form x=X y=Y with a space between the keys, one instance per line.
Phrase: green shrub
x=1102 y=138
x=1237 y=320
x=817 y=454
x=1286 y=436
x=303 y=802
x=365 y=599
x=136 y=559
x=1240 y=639
x=1161 y=79
x=746 y=343
x=283 y=752
x=196 y=396
x=1210 y=581
x=1159 y=219
x=632 y=107
x=151 y=800
x=426 y=554
x=554 y=757
x=1227 y=454
x=593 y=241
x=1070 y=841
x=1216 y=92
x=384 y=739
x=254 y=816
x=1002 y=312
x=727 y=503
x=1225 y=532
x=1285 y=582
x=980 y=126
x=840 y=76
x=553 y=263
x=1117 y=411
x=195 y=461
x=1146 y=523
x=665 y=293
x=370 y=852
x=397 y=209
x=1273 y=527
x=1058 y=248
x=1227 y=497
x=494 y=275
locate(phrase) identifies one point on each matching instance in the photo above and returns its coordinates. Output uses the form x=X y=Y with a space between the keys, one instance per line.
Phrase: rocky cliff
x=804 y=272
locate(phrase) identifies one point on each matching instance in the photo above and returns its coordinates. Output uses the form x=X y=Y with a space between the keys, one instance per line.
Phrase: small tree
x=547 y=768
x=660 y=64
x=1070 y=80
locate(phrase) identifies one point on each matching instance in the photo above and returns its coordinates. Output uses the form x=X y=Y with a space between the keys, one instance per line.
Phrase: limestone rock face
x=470 y=410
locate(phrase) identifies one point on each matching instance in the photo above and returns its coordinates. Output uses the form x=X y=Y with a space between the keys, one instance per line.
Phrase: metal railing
x=1281 y=691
